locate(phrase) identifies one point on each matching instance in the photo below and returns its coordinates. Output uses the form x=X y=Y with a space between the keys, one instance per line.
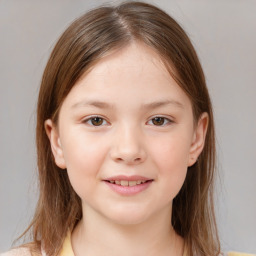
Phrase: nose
x=128 y=147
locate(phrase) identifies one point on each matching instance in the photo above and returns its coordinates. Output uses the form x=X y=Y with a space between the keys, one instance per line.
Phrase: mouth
x=128 y=185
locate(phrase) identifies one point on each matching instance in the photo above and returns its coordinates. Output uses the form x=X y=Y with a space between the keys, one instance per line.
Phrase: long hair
x=88 y=39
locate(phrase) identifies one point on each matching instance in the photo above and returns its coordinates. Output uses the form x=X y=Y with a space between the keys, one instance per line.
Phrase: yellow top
x=239 y=254
x=67 y=247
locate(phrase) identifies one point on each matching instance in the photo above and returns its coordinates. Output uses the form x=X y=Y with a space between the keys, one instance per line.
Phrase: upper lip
x=128 y=178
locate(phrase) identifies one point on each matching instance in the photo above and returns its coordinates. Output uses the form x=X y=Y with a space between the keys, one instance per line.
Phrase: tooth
x=112 y=181
x=132 y=183
x=118 y=182
x=138 y=182
x=124 y=182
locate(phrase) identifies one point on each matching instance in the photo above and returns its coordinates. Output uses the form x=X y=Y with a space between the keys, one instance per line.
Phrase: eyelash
x=167 y=121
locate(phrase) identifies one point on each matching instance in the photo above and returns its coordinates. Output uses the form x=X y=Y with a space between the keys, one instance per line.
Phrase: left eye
x=159 y=121
x=95 y=121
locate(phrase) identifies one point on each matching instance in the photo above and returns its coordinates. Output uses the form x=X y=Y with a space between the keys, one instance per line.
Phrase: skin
x=128 y=141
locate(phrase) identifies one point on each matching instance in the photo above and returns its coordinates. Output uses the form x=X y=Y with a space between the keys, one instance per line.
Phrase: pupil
x=97 y=121
x=158 y=121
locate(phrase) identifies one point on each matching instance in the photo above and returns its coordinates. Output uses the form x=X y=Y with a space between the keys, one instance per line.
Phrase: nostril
x=134 y=160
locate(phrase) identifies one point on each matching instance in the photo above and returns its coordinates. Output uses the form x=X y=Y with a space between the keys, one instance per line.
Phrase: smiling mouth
x=127 y=183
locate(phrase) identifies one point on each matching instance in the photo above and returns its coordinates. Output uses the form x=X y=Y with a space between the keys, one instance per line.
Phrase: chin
x=128 y=216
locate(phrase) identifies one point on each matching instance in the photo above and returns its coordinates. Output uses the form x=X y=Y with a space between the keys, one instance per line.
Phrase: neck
x=96 y=235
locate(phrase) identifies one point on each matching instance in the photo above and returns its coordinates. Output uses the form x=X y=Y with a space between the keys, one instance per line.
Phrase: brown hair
x=87 y=40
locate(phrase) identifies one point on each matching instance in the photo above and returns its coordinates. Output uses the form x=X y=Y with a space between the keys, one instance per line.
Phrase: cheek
x=171 y=152
x=83 y=157
x=171 y=159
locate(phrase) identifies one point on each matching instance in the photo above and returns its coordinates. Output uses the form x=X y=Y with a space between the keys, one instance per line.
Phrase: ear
x=198 y=139
x=53 y=135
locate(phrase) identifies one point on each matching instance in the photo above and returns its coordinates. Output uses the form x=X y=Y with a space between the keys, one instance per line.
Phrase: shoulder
x=17 y=252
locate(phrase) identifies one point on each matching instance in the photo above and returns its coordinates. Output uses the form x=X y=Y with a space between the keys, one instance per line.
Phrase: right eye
x=95 y=121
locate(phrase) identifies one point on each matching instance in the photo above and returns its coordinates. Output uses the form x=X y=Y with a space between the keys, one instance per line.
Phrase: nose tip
x=128 y=155
x=128 y=149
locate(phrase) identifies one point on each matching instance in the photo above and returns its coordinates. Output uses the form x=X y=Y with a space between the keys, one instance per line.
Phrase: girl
x=125 y=141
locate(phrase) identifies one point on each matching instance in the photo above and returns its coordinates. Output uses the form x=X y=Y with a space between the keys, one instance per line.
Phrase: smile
x=127 y=183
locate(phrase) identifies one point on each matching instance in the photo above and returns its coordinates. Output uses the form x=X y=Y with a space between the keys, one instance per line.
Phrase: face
x=126 y=136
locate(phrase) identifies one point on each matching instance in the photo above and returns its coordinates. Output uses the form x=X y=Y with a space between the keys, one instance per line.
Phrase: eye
x=160 y=121
x=95 y=121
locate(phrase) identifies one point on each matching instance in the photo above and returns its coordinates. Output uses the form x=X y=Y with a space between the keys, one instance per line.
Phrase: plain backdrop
x=224 y=35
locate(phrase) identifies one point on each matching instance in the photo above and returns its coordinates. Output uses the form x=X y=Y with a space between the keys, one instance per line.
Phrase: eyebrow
x=158 y=104
x=105 y=105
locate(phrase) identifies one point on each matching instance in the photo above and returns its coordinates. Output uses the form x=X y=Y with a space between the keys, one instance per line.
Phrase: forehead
x=136 y=58
x=135 y=72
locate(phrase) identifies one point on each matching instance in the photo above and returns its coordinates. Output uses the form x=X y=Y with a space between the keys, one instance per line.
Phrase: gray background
x=224 y=34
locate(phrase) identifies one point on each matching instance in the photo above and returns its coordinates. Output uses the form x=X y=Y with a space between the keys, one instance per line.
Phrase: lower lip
x=127 y=190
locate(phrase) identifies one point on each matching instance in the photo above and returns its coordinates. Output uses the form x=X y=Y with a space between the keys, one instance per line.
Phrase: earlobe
x=53 y=135
x=198 y=139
